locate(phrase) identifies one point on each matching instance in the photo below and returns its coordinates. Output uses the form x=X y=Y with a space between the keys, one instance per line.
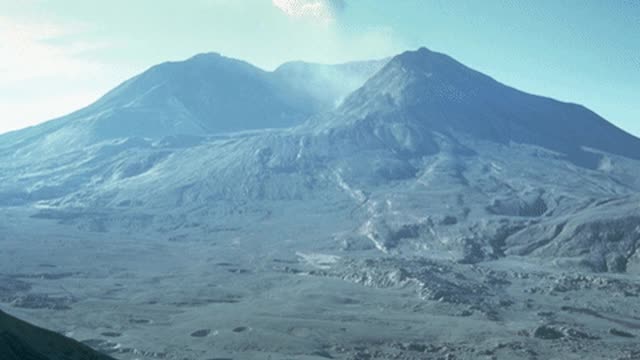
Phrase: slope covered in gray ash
x=430 y=191
x=206 y=94
x=434 y=156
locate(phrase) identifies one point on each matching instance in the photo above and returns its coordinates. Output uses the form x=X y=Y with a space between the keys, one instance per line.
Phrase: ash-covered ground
x=434 y=214
x=232 y=296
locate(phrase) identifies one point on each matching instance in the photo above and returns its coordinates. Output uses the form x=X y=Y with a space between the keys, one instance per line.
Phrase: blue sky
x=59 y=55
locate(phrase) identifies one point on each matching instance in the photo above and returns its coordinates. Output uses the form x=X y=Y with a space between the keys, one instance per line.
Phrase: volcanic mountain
x=429 y=153
x=206 y=94
x=431 y=92
x=209 y=209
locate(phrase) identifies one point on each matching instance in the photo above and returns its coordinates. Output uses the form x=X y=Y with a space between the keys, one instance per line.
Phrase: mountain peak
x=205 y=56
x=415 y=57
x=205 y=63
x=432 y=92
x=423 y=59
x=416 y=77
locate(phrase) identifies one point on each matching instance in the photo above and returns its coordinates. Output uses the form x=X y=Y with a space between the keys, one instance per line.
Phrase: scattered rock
x=238 y=271
x=44 y=276
x=285 y=261
x=93 y=342
x=104 y=346
x=448 y=220
x=111 y=334
x=42 y=301
x=9 y=287
x=547 y=332
x=201 y=333
x=417 y=347
x=620 y=333
x=432 y=280
x=322 y=354
x=577 y=334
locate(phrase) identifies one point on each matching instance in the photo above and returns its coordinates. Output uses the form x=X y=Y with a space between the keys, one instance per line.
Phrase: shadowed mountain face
x=22 y=341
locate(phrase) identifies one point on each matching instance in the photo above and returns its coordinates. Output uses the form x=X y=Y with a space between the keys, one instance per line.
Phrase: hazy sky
x=59 y=55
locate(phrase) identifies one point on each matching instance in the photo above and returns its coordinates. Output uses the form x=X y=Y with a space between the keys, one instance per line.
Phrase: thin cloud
x=46 y=61
x=27 y=51
x=321 y=10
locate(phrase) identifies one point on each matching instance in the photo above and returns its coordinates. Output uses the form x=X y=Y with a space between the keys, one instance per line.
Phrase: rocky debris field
x=316 y=304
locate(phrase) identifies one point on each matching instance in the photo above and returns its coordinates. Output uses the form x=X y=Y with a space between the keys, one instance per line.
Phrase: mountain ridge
x=433 y=192
x=442 y=93
x=145 y=105
x=398 y=138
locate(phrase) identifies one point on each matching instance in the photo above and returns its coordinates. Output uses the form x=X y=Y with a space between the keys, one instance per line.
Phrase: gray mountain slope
x=22 y=341
x=206 y=94
x=432 y=155
x=422 y=217
x=433 y=92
